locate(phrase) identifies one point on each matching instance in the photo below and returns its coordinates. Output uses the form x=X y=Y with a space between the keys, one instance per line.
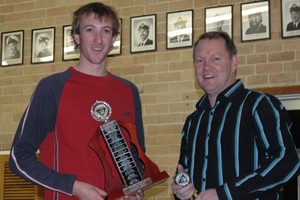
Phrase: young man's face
x=12 y=47
x=95 y=39
x=43 y=45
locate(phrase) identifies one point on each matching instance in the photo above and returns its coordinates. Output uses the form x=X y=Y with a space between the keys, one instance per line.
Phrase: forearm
x=26 y=165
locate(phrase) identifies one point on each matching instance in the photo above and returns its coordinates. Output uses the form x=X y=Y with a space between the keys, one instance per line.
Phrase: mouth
x=97 y=48
x=208 y=76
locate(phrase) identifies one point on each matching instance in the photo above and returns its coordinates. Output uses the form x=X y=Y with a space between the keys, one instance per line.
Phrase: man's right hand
x=86 y=191
x=182 y=192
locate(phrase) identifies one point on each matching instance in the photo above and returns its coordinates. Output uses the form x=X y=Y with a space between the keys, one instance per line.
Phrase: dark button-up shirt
x=242 y=146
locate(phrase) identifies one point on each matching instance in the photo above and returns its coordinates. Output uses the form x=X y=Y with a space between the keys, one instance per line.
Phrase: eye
x=216 y=59
x=199 y=61
x=89 y=30
x=107 y=31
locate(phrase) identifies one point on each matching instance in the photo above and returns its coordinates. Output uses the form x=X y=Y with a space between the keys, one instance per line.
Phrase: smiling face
x=95 y=40
x=255 y=20
x=214 y=68
x=12 y=47
x=144 y=33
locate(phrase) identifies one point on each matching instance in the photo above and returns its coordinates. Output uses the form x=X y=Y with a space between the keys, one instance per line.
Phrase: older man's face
x=255 y=20
x=143 y=34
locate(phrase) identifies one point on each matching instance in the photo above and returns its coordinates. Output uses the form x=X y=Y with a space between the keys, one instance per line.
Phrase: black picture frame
x=12 y=48
x=219 y=18
x=288 y=9
x=145 y=22
x=68 y=48
x=180 y=25
x=42 y=45
x=116 y=49
x=253 y=13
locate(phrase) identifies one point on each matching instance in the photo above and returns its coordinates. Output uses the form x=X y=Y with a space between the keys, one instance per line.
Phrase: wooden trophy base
x=142 y=185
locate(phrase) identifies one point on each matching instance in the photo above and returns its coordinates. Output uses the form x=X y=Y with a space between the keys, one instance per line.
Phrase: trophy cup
x=132 y=178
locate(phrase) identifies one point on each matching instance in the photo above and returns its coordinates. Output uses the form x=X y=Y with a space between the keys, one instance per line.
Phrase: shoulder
x=257 y=99
x=55 y=80
x=248 y=31
x=124 y=81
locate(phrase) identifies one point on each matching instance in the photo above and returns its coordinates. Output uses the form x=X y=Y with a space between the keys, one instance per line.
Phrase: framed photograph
x=255 y=21
x=12 y=48
x=42 y=45
x=117 y=46
x=290 y=18
x=219 y=19
x=179 y=29
x=143 y=33
x=69 y=52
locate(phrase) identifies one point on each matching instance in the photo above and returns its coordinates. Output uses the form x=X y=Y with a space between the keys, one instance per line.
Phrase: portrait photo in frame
x=255 y=21
x=179 y=29
x=116 y=49
x=68 y=50
x=219 y=19
x=143 y=33
x=42 y=45
x=290 y=18
x=12 y=48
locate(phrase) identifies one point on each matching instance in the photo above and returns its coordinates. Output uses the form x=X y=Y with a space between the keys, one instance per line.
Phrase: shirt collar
x=229 y=94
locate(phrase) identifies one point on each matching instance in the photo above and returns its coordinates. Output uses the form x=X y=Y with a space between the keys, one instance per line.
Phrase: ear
x=76 y=38
x=234 y=63
x=113 y=40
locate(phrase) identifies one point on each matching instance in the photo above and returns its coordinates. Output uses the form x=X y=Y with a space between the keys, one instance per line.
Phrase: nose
x=206 y=64
x=98 y=37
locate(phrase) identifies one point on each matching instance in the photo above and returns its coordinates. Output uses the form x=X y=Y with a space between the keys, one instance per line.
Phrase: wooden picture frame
x=255 y=21
x=219 y=19
x=290 y=18
x=179 y=29
x=116 y=49
x=68 y=48
x=12 y=48
x=42 y=45
x=141 y=27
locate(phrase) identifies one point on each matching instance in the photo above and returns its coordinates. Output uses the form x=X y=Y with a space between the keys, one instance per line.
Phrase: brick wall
x=165 y=78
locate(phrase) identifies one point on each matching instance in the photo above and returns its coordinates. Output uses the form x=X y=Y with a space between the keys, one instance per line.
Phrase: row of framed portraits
x=255 y=25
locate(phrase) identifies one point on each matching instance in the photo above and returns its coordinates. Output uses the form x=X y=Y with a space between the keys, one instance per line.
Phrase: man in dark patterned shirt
x=237 y=144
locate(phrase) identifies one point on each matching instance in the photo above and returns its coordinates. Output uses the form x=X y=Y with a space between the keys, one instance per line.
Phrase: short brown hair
x=101 y=10
x=229 y=44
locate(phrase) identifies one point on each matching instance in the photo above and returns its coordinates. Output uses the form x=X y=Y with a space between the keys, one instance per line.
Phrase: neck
x=212 y=101
x=91 y=70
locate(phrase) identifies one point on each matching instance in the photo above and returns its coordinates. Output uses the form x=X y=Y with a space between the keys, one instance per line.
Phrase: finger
x=100 y=192
x=141 y=193
x=180 y=168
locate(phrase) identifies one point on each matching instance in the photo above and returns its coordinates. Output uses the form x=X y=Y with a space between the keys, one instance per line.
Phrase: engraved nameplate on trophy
x=121 y=154
x=133 y=179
